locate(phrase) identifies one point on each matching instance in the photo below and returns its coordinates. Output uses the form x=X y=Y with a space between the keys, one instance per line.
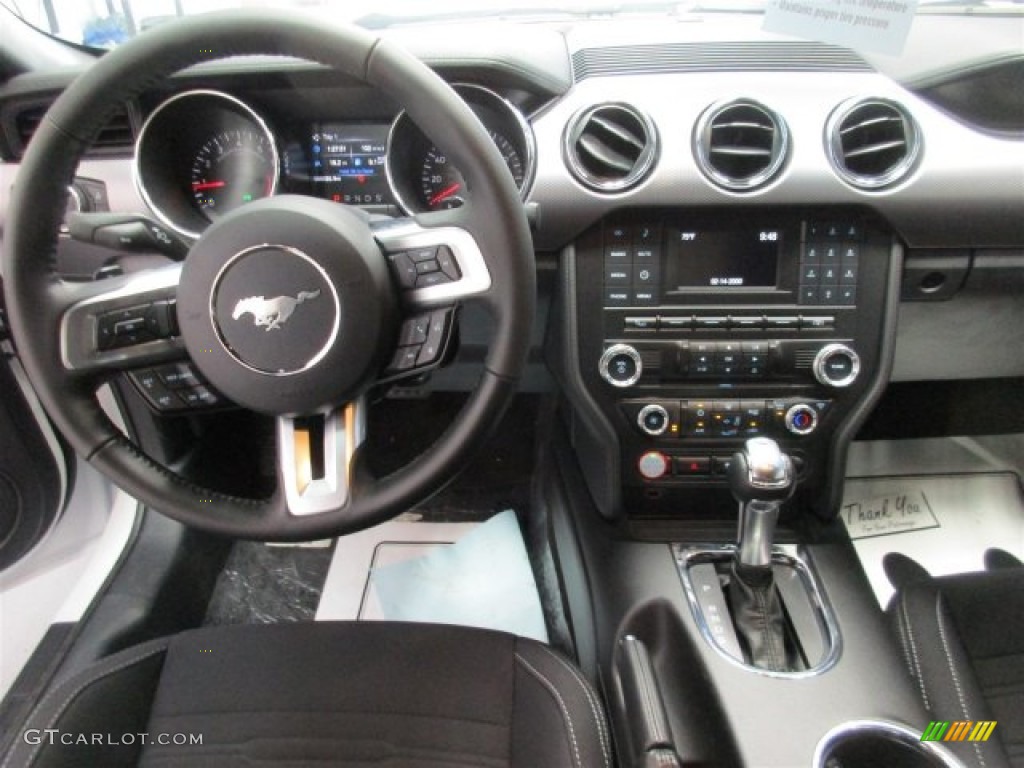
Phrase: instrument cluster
x=204 y=153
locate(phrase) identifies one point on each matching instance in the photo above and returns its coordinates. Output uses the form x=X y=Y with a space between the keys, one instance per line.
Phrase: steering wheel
x=287 y=304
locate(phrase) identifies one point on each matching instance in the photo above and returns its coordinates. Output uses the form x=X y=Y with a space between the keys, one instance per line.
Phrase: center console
x=699 y=330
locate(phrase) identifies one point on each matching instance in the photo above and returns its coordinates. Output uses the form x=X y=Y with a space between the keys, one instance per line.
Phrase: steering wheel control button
x=123 y=328
x=404 y=269
x=620 y=365
x=423 y=341
x=653 y=465
x=178 y=375
x=446 y=261
x=653 y=419
x=801 y=419
x=175 y=387
x=836 y=365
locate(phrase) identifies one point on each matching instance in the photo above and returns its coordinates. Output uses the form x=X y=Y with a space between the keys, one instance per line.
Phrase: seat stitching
x=561 y=703
x=913 y=649
x=74 y=694
x=594 y=708
x=940 y=619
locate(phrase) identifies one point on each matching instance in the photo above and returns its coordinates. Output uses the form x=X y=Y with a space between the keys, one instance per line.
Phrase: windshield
x=106 y=23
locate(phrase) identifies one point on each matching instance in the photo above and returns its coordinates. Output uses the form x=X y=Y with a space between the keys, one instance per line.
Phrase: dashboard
x=740 y=233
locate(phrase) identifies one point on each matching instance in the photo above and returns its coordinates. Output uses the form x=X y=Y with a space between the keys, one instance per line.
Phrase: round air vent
x=740 y=145
x=872 y=143
x=610 y=147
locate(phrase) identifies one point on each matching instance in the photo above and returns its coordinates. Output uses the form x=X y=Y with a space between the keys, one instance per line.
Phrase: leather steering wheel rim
x=37 y=298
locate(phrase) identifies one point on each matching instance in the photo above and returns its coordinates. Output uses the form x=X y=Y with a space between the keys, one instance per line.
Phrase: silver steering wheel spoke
x=314 y=457
x=433 y=266
x=132 y=324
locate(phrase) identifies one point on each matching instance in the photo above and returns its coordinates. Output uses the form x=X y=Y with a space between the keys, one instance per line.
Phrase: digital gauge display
x=349 y=164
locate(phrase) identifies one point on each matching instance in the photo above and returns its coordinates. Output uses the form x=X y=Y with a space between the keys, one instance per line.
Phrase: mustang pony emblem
x=271 y=313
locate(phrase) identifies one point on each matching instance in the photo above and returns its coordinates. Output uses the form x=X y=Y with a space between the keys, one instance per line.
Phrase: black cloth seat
x=324 y=694
x=963 y=641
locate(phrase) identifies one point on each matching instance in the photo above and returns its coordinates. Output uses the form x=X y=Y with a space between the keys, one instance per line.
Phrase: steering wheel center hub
x=286 y=305
x=275 y=310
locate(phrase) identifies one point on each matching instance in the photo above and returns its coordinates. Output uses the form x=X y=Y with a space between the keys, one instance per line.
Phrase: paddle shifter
x=761 y=477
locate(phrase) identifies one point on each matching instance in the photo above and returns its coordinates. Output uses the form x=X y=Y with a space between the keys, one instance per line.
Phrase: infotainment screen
x=348 y=163
x=740 y=257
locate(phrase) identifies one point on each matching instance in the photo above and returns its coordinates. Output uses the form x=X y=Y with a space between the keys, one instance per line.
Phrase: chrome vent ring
x=872 y=143
x=610 y=147
x=740 y=145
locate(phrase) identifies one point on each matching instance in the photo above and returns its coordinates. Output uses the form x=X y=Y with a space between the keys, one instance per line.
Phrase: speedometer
x=232 y=168
x=441 y=184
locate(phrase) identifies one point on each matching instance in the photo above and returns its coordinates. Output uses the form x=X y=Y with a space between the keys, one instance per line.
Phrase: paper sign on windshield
x=879 y=26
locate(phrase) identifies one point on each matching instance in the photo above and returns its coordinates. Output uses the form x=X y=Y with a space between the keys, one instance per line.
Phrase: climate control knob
x=836 y=365
x=653 y=465
x=653 y=419
x=620 y=366
x=801 y=419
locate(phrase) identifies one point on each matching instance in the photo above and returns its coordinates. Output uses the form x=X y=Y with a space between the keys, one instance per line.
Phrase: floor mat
x=265 y=583
x=943 y=522
x=471 y=574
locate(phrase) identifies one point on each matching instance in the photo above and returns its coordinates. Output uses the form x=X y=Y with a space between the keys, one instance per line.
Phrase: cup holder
x=873 y=743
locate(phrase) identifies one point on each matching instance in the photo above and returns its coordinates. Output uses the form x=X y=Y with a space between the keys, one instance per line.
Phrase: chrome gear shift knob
x=760 y=477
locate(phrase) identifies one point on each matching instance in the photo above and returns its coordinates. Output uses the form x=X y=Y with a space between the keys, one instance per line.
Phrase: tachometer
x=441 y=184
x=232 y=168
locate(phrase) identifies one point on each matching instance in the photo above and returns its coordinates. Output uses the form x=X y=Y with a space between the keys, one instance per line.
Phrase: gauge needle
x=444 y=194
x=201 y=185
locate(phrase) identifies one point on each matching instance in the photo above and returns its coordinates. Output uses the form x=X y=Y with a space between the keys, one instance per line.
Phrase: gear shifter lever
x=760 y=478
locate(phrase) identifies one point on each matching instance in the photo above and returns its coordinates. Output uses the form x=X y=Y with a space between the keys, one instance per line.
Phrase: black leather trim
x=957 y=631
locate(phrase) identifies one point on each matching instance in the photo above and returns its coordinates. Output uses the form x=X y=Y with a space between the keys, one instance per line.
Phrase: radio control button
x=618 y=234
x=617 y=274
x=848 y=273
x=817 y=322
x=645 y=323
x=676 y=323
x=809 y=295
x=646 y=274
x=754 y=347
x=647 y=234
x=782 y=322
x=810 y=273
x=617 y=254
x=831 y=253
x=847 y=295
x=711 y=322
x=645 y=297
x=836 y=365
x=828 y=294
x=850 y=253
x=648 y=254
x=747 y=322
x=653 y=465
x=616 y=297
x=830 y=274
x=620 y=365
x=812 y=253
